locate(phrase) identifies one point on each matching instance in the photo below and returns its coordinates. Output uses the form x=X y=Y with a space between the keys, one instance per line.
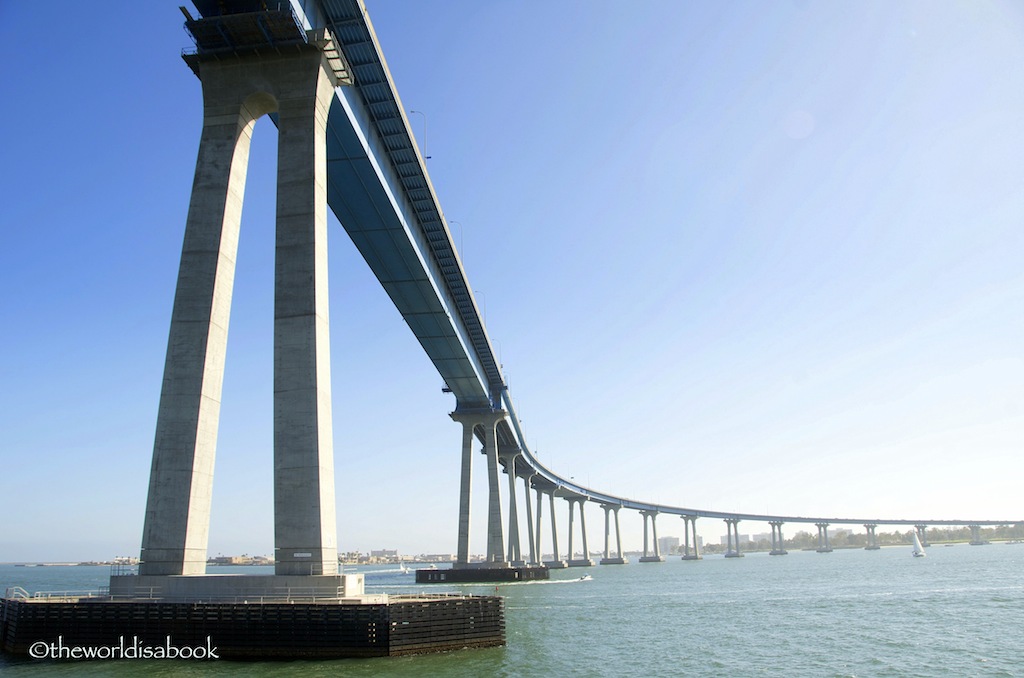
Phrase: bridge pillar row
x=299 y=86
x=688 y=523
x=872 y=538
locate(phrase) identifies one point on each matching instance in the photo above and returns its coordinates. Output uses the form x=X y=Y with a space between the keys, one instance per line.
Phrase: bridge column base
x=693 y=557
x=872 y=548
x=652 y=559
x=778 y=552
x=824 y=549
x=733 y=554
x=614 y=561
x=556 y=564
x=581 y=562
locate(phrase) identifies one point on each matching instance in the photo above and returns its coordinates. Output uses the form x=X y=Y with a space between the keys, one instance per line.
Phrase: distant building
x=668 y=544
x=384 y=553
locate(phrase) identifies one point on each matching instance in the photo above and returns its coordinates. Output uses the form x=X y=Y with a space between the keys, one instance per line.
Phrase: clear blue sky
x=741 y=256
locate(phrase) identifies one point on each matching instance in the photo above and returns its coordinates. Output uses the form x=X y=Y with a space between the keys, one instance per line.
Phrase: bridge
x=363 y=162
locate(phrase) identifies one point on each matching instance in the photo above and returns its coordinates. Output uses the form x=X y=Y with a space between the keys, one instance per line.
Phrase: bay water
x=957 y=612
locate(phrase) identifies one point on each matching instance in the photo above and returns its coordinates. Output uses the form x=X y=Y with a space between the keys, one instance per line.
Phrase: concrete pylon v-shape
x=298 y=86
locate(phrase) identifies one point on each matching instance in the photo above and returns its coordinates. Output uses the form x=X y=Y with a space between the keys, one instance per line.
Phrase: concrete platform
x=556 y=564
x=237 y=587
x=581 y=562
x=398 y=625
x=692 y=557
x=614 y=561
x=485 y=575
x=652 y=559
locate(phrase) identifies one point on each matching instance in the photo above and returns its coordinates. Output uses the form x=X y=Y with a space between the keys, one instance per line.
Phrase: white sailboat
x=918 y=551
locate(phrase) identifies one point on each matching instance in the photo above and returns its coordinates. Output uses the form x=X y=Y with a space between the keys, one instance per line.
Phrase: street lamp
x=425 y=156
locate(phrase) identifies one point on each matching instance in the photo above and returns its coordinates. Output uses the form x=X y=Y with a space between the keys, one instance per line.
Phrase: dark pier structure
x=259 y=630
x=484 y=575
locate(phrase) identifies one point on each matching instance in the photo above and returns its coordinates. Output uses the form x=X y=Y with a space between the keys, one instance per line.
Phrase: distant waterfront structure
x=668 y=544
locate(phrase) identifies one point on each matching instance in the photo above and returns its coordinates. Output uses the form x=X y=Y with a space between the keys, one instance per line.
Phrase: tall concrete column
x=921 y=531
x=654 y=533
x=607 y=524
x=465 y=487
x=514 y=551
x=540 y=510
x=583 y=532
x=495 y=538
x=554 y=529
x=696 y=542
x=572 y=505
x=645 y=515
x=618 y=535
x=235 y=94
x=534 y=557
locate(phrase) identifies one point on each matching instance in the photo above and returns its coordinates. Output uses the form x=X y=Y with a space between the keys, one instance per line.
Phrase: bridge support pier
x=823 y=545
x=515 y=553
x=976 y=539
x=872 y=539
x=555 y=563
x=732 y=549
x=778 y=543
x=656 y=557
x=607 y=559
x=688 y=523
x=299 y=85
x=921 y=531
x=487 y=423
x=529 y=522
x=585 y=561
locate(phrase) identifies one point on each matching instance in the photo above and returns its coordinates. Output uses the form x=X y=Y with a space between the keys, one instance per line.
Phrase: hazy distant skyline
x=763 y=258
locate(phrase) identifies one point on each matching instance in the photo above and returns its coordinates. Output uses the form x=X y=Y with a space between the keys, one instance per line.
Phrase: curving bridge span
x=378 y=187
x=446 y=320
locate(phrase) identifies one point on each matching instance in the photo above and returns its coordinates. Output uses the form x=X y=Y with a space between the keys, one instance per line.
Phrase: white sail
x=918 y=549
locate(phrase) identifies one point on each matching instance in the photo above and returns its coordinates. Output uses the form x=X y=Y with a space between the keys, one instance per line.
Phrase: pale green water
x=958 y=612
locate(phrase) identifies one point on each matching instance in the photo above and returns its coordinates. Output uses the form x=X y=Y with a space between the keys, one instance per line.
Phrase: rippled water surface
x=958 y=612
